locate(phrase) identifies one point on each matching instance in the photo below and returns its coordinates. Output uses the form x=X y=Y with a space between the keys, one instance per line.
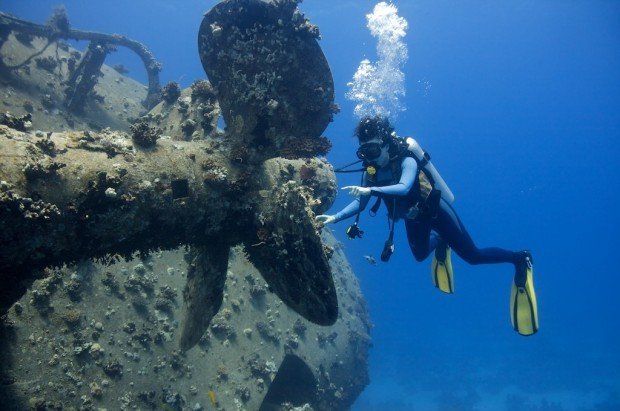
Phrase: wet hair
x=370 y=128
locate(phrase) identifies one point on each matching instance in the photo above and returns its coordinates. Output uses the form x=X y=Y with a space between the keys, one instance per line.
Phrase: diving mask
x=370 y=151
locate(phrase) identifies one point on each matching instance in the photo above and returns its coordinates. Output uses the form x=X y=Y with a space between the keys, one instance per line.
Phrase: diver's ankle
x=523 y=256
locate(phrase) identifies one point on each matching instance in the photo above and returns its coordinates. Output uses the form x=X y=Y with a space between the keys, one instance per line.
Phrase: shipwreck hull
x=83 y=202
x=186 y=271
x=107 y=337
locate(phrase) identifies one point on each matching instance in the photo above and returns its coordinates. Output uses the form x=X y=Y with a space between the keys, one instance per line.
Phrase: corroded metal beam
x=84 y=76
x=78 y=195
x=54 y=32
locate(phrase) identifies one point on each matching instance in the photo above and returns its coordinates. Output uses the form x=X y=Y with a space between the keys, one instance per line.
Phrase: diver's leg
x=523 y=303
x=421 y=240
x=452 y=230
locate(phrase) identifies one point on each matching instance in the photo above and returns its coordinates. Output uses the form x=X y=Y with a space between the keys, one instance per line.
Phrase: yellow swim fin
x=441 y=269
x=523 y=305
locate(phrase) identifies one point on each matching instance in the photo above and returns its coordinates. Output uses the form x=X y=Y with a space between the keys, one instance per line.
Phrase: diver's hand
x=325 y=219
x=357 y=191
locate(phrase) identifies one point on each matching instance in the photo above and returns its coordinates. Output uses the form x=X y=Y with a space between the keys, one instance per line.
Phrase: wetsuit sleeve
x=357 y=205
x=407 y=178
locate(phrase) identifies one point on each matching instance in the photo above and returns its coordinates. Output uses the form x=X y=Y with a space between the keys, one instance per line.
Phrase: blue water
x=519 y=104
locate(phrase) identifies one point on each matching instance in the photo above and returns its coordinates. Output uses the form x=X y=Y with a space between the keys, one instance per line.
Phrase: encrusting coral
x=202 y=90
x=144 y=135
x=171 y=92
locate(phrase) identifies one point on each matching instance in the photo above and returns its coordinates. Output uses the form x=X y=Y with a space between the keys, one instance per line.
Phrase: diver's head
x=374 y=135
x=372 y=128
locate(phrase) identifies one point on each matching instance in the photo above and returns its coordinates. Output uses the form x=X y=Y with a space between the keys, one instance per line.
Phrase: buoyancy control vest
x=423 y=198
x=427 y=180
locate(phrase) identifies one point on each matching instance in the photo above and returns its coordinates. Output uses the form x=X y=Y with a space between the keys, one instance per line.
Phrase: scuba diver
x=400 y=174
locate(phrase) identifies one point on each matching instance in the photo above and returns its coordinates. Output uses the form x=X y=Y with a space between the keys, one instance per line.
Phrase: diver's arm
x=356 y=206
x=407 y=178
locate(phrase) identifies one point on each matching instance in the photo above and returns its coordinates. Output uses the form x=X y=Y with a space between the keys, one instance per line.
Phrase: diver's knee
x=419 y=258
x=418 y=254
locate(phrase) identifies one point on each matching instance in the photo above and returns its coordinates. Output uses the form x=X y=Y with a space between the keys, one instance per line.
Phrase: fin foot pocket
x=523 y=303
x=441 y=268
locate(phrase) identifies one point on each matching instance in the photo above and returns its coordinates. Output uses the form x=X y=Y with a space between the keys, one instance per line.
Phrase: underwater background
x=519 y=105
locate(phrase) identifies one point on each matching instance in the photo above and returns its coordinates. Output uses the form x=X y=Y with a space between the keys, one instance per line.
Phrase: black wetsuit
x=398 y=187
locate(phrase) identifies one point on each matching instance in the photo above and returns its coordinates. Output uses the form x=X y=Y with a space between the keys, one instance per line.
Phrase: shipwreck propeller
x=267 y=67
x=282 y=241
x=273 y=84
x=76 y=195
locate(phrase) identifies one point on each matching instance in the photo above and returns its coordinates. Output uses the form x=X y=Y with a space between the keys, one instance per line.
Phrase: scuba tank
x=424 y=162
